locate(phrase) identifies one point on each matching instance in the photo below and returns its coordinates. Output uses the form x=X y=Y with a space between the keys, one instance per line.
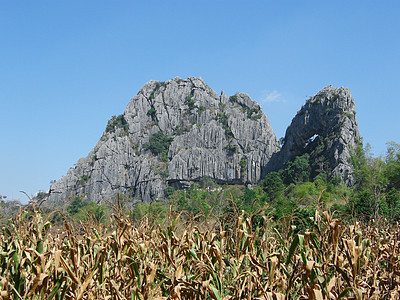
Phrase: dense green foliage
x=159 y=144
x=297 y=170
x=117 y=122
x=292 y=193
x=376 y=189
x=78 y=210
x=288 y=194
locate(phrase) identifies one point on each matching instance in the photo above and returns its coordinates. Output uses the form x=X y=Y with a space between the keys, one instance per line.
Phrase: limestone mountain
x=325 y=129
x=171 y=134
x=177 y=132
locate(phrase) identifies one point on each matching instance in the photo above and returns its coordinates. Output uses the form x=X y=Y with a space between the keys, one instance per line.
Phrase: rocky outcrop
x=173 y=133
x=326 y=129
x=176 y=132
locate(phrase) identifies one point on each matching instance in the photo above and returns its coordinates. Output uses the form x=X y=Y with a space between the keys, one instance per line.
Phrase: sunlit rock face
x=326 y=128
x=173 y=133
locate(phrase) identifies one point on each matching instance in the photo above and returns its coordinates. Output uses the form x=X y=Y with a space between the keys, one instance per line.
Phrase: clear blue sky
x=67 y=66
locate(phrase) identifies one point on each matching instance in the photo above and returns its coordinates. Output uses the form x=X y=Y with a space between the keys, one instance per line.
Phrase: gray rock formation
x=176 y=132
x=325 y=128
x=173 y=133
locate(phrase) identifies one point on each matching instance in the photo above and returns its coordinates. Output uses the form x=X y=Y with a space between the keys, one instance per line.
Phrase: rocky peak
x=176 y=132
x=325 y=128
x=173 y=133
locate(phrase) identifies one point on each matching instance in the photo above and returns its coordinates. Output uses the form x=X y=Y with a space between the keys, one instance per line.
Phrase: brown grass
x=189 y=260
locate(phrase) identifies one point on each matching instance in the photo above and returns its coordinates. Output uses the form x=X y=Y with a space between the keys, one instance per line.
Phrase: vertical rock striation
x=176 y=132
x=173 y=133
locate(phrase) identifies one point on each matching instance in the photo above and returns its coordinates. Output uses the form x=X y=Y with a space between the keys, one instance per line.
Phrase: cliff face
x=173 y=133
x=325 y=128
x=176 y=132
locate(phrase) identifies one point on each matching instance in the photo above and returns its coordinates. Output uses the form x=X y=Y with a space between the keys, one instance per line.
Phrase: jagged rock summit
x=171 y=134
x=326 y=130
x=176 y=132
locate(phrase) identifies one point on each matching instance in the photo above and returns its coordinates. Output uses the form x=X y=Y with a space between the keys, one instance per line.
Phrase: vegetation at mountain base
x=377 y=185
x=157 y=253
x=292 y=236
x=291 y=191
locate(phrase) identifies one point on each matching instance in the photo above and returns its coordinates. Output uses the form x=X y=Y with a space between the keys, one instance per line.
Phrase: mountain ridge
x=176 y=132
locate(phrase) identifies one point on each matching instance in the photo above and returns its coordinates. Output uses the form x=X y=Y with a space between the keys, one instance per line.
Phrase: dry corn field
x=192 y=260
